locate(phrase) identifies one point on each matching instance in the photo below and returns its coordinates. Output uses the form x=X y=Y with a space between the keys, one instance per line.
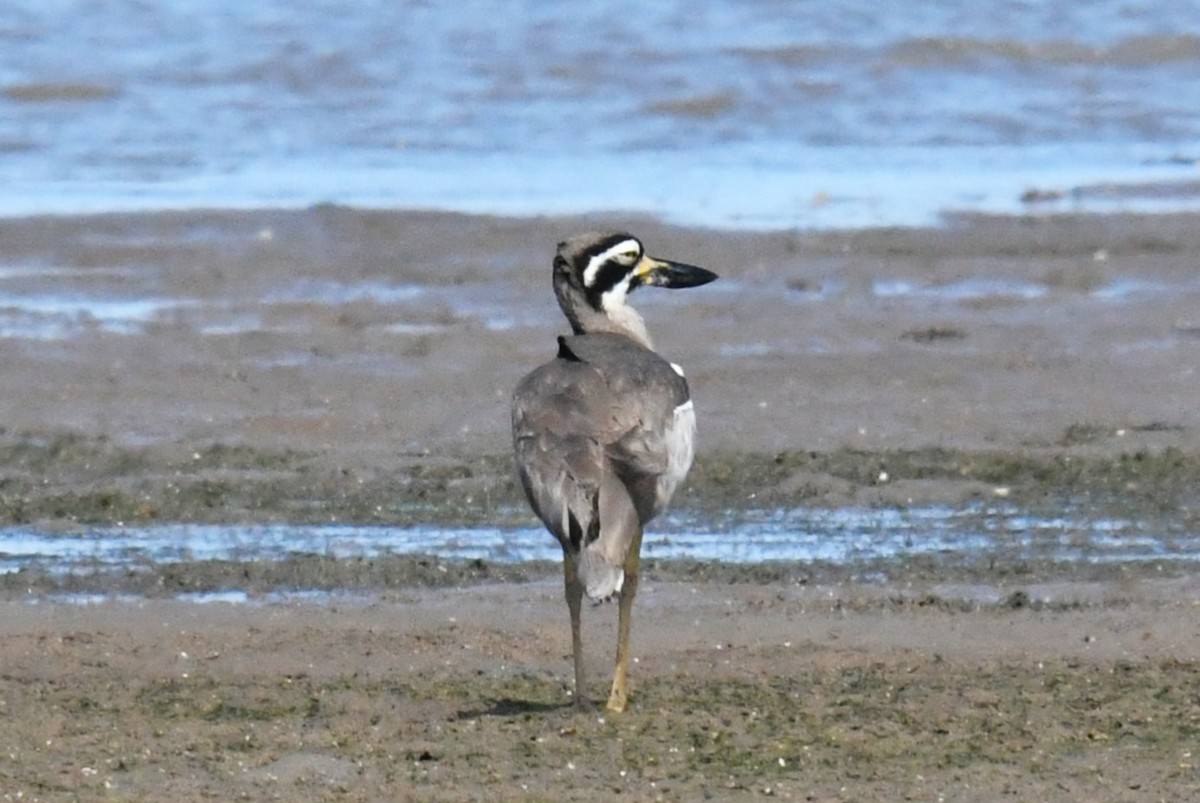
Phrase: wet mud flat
x=71 y=486
x=281 y=367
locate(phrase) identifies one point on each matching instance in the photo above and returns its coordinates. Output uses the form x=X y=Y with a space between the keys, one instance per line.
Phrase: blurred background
x=726 y=113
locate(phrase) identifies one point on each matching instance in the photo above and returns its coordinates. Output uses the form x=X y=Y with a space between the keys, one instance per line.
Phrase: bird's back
x=605 y=405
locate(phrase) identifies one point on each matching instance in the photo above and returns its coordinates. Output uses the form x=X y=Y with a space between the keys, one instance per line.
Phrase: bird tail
x=611 y=531
x=601 y=582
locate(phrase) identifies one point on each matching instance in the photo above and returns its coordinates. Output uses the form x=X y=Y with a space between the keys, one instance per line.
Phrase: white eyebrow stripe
x=596 y=262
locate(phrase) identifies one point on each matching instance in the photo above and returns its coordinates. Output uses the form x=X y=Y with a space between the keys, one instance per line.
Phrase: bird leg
x=574 y=591
x=619 y=694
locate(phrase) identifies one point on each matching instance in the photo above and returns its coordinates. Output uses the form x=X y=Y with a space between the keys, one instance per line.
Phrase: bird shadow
x=512 y=707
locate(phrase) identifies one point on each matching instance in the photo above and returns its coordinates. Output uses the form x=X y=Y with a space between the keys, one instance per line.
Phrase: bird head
x=595 y=273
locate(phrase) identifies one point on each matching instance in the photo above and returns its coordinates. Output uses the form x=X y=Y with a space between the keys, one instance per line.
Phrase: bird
x=604 y=432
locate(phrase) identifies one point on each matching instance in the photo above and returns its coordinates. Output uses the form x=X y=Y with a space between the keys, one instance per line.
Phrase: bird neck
x=624 y=319
x=621 y=320
x=615 y=316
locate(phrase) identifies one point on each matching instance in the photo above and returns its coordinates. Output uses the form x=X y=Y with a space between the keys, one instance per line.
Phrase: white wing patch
x=681 y=440
x=679 y=370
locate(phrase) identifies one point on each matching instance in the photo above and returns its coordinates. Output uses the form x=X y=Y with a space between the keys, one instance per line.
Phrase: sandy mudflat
x=329 y=364
x=831 y=693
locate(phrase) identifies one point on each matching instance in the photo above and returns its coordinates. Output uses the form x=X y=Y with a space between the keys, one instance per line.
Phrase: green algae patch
x=62 y=477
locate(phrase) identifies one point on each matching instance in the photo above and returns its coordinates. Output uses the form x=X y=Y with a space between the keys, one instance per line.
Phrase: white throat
x=624 y=317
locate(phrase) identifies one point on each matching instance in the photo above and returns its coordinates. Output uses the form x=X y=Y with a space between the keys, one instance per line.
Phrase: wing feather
x=596 y=431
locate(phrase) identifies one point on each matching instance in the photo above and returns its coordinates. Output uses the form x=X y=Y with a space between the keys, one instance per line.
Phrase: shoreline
x=745 y=190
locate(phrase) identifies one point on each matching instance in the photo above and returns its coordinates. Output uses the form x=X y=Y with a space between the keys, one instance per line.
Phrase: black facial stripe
x=602 y=246
x=609 y=276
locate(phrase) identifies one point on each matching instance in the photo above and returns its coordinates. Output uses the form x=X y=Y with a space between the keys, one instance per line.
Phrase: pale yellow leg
x=574 y=591
x=619 y=695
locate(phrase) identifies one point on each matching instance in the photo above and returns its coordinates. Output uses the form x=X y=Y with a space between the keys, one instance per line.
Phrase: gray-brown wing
x=652 y=447
x=558 y=444
x=605 y=402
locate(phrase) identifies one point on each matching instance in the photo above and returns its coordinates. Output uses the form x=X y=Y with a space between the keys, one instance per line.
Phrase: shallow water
x=758 y=115
x=845 y=536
